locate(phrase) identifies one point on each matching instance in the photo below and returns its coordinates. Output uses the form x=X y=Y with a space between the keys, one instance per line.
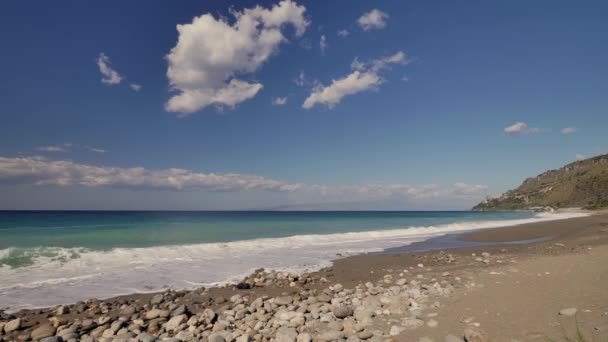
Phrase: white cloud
x=343 y=33
x=52 y=148
x=211 y=53
x=41 y=171
x=323 y=43
x=374 y=19
x=364 y=77
x=95 y=149
x=67 y=147
x=135 y=87
x=300 y=81
x=279 y=101
x=580 y=156
x=522 y=128
x=109 y=75
x=568 y=130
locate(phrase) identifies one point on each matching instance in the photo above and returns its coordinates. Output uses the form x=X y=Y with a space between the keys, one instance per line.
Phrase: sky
x=341 y=105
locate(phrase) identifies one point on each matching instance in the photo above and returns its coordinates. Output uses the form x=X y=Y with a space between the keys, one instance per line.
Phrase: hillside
x=582 y=184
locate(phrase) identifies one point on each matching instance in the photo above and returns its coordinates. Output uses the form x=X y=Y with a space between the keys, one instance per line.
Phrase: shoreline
x=410 y=237
x=527 y=241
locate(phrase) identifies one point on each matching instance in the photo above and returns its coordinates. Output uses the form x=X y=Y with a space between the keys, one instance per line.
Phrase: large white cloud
x=211 y=53
x=374 y=19
x=365 y=76
x=41 y=171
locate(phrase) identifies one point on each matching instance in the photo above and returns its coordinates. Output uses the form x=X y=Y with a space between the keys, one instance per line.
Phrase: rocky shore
x=404 y=297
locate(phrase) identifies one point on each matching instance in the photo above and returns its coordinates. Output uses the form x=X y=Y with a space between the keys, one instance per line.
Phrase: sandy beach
x=534 y=282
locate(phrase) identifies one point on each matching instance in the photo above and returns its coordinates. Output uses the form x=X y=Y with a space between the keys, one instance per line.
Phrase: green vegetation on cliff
x=582 y=184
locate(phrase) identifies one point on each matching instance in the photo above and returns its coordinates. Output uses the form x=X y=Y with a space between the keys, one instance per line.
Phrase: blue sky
x=445 y=103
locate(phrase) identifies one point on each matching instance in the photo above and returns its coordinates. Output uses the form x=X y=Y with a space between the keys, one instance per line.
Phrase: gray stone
x=452 y=338
x=52 y=339
x=432 y=323
x=156 y=313
x=185 y=335
x=216 y=338
x=127 y=311
x=365 y=335
x=175 y=322
x=330 y=335
x=285 y=300
x=474 y=334
x=145 y=337
x=209 y=316
x=343 y=311
x=304 y=337
x=286 y=335
x=42 y=331
x=12 y=325
x=157 y=299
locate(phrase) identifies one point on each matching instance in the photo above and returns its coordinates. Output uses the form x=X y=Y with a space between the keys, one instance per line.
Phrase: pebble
x=432 y=323
x=568 y=312
x=343 y=311
x=474 y=334
x=12 y=325
x=42 y=331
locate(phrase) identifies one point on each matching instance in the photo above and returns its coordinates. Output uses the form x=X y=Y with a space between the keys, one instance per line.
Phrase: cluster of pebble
x=368 y=312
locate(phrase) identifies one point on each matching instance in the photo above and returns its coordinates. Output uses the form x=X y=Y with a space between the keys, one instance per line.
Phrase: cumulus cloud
x=323 y=43
x=109 y=75
x=374 y=19
x=135 y=87
x=41 y=171
x=522 y=128
x=568 y=130
x=343 y=33
x=279 y=101
x=211 y=53
x=364 y=77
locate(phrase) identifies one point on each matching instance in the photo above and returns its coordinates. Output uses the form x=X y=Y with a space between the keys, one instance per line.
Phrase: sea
x=56 y=257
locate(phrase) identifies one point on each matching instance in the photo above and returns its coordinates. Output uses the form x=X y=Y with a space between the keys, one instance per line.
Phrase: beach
x=540 y=281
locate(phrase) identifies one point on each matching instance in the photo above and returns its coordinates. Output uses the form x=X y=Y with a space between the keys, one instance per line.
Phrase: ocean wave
x=78 y=273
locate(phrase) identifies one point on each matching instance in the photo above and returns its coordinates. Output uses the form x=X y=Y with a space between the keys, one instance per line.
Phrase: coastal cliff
x=582 y=184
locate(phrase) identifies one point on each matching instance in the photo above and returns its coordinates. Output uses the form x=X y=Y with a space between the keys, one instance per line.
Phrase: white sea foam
x=52 y=280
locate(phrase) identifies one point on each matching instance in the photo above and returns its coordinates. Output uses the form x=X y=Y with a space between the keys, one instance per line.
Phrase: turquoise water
x=49 y=258
x=105 y=230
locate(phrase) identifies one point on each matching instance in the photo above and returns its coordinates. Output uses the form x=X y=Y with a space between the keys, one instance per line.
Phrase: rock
x=12 y=325
x=42 y=331
x=568 y=312
x=343 y=311
x=330 y=335
x=395 y=330
x=475 y=334
x=216 y=338
x=157 y=299
x=323 y=298
x=183 y=336
x=412 y=323
x=425 y=339
x=175 y=322
x=156 y=313
x=285 y=300
x=304 y=337
x=62 y=310
x=286 y=335
x=432 y=323
x=145 y=337
x=209 y=316
x=365 y=335
x=243 y=338
x=243 y=286
x=52 y=339
x=452 y=338
x=127 y=311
